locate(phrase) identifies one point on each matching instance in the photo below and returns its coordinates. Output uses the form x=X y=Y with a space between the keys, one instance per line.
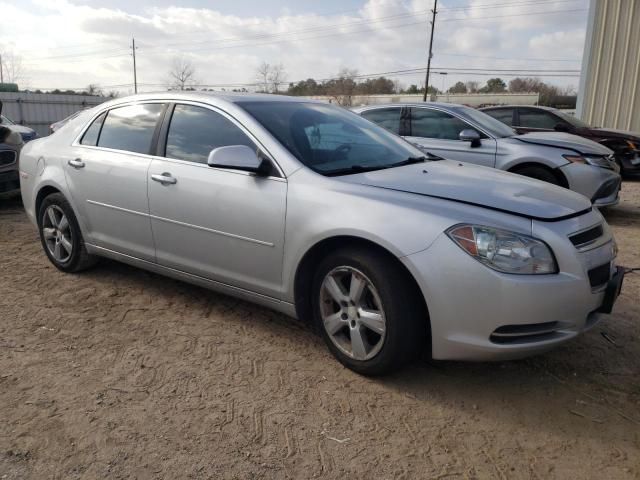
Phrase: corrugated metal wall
x=610 y=85
x=39 y=110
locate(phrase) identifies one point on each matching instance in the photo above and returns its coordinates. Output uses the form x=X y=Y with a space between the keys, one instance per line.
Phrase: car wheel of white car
x=368 y=311
x=60 y=235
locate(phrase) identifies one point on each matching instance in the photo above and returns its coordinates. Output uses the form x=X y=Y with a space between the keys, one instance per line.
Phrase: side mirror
x=562 y=127
x=239 y=157
x=470 y=135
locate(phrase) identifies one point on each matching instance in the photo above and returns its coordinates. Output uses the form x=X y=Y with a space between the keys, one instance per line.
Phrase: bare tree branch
x=277 y=76
x=182 y=74
x=12 y=69
x=263 y=73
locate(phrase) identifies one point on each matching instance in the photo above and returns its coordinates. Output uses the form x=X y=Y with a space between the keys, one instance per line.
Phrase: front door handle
x=165 y=179
x=76 y=163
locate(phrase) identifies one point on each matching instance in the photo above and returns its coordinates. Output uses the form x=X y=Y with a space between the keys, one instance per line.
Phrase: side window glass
x=195 y=131
x=504 y=115
x=388 y=118
x=436 y=124
x=90 y=136
x=537 y=119
x=130 y=128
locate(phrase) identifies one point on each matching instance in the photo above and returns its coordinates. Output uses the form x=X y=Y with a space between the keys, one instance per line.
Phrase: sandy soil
x=118 y=373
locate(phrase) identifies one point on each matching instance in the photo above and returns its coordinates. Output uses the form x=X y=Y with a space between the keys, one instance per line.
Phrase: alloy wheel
x=352 y=313
x=57 y=234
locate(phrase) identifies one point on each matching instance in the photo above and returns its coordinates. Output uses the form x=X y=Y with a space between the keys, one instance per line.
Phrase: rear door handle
x=165 y=179
x=77 y=163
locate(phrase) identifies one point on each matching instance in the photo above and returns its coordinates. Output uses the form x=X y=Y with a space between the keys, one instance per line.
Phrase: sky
x=74 y=43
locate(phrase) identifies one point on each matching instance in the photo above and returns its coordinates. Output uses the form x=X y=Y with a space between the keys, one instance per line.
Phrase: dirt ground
x=118 y=373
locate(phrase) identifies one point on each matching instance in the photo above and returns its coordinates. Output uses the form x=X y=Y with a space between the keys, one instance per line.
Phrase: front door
x=438 y=132
x=219 y=224
x=107 y=175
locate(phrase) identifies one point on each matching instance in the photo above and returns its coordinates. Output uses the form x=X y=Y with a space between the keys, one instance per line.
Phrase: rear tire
x=60 y=235
x=368 y=311
x=539 y=173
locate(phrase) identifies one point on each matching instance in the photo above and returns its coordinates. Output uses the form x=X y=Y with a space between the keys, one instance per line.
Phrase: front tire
x=60 y=235
x=368 y=311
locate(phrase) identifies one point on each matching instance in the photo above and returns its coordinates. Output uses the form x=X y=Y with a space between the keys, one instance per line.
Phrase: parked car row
x=625 y=145
x=386 y=248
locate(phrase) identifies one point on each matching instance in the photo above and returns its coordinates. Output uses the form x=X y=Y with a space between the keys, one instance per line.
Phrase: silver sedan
x=457 y=132
x=311 y=210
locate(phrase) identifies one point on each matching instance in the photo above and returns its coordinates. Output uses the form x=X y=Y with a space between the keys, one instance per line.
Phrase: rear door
x=225 y=225
x=438 y=132
x=107 y=177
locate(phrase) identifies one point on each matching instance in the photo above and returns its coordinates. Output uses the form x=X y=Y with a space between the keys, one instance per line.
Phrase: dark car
x=10 y=144
x=26 y=133
x=626 y=145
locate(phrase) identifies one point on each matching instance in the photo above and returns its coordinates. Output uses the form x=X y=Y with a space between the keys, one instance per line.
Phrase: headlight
x=504 y=251
x=596 y=161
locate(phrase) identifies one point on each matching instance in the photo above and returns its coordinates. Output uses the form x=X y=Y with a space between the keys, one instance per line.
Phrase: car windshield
x=571 y=119
x=5 y=121
x=495 y=127
x=331 y=140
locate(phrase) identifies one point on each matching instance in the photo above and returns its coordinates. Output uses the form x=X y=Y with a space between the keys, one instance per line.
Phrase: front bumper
x=9 y=181
x=479 y=314
x=601 y=185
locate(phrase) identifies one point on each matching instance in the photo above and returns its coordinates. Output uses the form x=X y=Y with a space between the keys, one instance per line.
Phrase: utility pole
x=1 y=71
x=135 y=75
x=433 y=26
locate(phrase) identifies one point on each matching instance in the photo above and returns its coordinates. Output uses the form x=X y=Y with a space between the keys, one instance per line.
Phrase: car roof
x=231 y=97
x=538 y=107
x=453 y=107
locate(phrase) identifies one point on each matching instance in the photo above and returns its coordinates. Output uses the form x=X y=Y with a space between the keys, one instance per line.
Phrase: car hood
x=633 y=136
x=479 y=186
x=565 y=140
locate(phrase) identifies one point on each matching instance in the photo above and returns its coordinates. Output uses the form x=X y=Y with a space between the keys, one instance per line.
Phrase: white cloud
x=228 y=48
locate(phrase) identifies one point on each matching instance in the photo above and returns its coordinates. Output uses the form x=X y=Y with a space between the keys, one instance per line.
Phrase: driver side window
x=429 y=123
x=195 y=131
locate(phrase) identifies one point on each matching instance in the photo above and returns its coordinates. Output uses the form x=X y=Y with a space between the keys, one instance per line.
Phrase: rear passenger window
x=429 y=123
x=537 y=119
x=130 y=128
x=90 y=137
x=195 y=131
x=388 y=118
x=503 y=115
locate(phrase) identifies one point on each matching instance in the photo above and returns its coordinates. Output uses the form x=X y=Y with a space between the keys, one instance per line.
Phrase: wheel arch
x=562 y=180
x=303 y=278
x=43 y=193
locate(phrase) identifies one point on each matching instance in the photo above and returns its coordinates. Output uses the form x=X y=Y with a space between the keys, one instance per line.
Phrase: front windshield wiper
x=354 y=169
x=370 y=168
